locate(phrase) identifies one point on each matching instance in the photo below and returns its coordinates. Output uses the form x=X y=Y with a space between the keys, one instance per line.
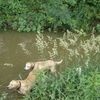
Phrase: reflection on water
x=23 y=46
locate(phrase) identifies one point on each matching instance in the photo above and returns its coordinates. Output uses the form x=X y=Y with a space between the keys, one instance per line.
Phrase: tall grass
x=77 y=51
x=3 y=96
x=68 y=85
x=76 y=48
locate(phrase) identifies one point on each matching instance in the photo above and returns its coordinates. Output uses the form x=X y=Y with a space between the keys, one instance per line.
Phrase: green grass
x=3 y=96
x=68 y=85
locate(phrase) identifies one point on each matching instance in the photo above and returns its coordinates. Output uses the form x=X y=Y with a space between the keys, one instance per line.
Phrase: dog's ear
x=33 y=65
x=19 y=83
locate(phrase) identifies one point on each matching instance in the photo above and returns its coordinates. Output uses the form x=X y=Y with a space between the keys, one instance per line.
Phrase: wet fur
x=41 y=65
x=23 y=86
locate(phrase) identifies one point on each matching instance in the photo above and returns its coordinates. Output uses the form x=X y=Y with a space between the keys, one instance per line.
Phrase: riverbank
x=38 y=16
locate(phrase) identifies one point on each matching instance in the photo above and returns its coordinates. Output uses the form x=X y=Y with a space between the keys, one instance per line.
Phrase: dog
x=23 y=86
x=42 y=65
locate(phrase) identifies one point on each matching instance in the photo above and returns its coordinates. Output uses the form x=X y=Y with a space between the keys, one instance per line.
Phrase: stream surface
x=15 y=50
x=18 y=48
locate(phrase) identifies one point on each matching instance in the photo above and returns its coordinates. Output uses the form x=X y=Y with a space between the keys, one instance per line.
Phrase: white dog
x=23 y=86
x=49 y=64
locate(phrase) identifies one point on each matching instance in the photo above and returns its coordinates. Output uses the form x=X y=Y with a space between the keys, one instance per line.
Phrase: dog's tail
x=59 y=62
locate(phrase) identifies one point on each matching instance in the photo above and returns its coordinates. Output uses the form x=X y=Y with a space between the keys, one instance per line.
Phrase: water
x=15 y=50
x=18 y=48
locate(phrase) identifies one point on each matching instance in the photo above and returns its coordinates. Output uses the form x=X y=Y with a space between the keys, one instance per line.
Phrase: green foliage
x=98 y=28
x=38 y=15
x=68 y=85
x=73 y=47
x=3 y=96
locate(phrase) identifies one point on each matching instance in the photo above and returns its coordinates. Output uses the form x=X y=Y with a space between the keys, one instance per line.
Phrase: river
x=18 y=48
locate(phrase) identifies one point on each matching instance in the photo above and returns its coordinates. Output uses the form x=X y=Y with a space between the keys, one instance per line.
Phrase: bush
x=36 y=16
x=68 y=85
x=3 y=96
x=98 y=28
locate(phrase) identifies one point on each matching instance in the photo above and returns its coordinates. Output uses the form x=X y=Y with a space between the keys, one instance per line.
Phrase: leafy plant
x=37 y=16
x=98 y=27
x=3 y=96
x=68 y=85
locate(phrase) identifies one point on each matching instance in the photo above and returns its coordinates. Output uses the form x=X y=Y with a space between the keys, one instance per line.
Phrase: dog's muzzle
x=9 y=87
x=26 y=68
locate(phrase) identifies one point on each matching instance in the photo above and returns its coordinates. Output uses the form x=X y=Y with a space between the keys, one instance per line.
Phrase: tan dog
x=49 y=64
x=23 y=86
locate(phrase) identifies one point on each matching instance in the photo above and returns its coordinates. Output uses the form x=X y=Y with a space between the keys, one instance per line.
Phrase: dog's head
x=14 y=84
x=29 y=65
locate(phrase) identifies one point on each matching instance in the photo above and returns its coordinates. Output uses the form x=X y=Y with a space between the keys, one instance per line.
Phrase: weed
x=68 y=85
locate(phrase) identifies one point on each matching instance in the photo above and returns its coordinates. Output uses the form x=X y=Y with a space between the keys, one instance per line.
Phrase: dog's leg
x=53 y=71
